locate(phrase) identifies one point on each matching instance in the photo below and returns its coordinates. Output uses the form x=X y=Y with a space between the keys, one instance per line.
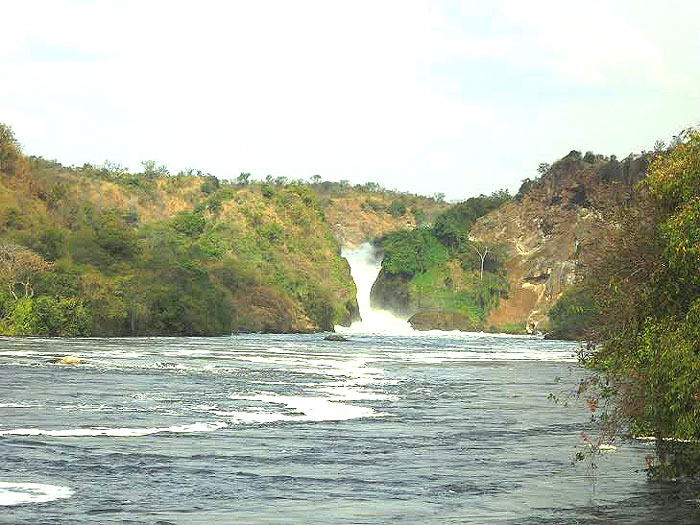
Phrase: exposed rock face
x=265 y=310
x=437 y=319
x=547 y=234
x=390 y=292
x=354 y=222
x=352 y=225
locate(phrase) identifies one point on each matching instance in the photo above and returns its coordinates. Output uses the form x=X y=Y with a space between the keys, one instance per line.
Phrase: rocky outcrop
x=361 y=217
x=546 y=234
x=439 y=319
x=390 y=292
x=336 y=337
x=265 y=310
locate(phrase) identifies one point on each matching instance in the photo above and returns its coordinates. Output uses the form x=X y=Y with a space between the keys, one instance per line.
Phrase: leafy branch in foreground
x=644 y=284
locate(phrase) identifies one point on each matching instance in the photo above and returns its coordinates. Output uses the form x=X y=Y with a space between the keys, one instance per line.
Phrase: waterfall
x=364 y=268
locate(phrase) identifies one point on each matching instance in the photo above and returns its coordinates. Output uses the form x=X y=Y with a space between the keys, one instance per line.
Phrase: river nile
x=291 y=428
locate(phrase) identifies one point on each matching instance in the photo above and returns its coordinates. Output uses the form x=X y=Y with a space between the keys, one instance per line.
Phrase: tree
x=410 y=252
x=18 y=266
x=243 y=178
x=644 y=286
x=315 y=179
x=483 y=251
x=452 y=226
x=397 y=208
x=153 y=170
x=10 y=150
x=543 y=168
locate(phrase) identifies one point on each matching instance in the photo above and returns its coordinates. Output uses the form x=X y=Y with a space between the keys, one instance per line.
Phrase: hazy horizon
x=451 y=97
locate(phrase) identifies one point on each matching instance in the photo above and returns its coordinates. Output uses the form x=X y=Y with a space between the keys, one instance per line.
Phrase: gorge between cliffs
x=161 y=333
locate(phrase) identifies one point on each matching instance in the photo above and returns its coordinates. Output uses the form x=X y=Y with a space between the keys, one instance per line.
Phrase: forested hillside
x=437 y=275
x=102 y=251
x=500 y=263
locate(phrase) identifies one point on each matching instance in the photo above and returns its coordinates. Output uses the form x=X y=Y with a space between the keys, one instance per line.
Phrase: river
x=293 y=428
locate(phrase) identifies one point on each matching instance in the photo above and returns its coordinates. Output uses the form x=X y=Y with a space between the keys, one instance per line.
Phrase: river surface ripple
x=292 y=428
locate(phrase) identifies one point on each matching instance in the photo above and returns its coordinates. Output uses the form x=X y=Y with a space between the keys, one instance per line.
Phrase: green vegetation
x=440 y=268
x=571 y=314
x=453 y=226
x=97 y=250
x=412 y=252
x=639 y=304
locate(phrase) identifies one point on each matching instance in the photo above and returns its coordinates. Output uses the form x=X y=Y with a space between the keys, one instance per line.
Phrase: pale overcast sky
x=453 y=97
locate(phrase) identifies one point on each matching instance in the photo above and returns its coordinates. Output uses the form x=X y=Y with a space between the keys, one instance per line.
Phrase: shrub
x=419 y=216
x=373 y=205
x=412 y=251
x=397 y=208
x=190 y=223
x=571 y=314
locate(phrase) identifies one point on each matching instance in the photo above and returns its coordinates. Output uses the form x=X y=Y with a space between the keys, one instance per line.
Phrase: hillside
x=97 y=250
x=547 y=231
x=436 y=277
x=498 y=263
x=360 y=215
x=101 y=251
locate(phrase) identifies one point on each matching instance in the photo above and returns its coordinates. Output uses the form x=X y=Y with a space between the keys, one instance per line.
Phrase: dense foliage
x=102 y=251
x=442 y=268
x=642 y=308
x=412 y=252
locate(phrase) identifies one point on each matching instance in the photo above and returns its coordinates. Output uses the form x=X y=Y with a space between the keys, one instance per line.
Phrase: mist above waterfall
x=365 y=264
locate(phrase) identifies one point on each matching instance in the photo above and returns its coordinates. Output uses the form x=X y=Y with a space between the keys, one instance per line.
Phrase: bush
x=18 y=320
x=452 y=227
x=59 y=317
x=419 y=216
x=190 y=223
x=51 y=245
x=373 y=205
x=397 y=208
x=115 y=236
x=412 y=251
x=570 y=316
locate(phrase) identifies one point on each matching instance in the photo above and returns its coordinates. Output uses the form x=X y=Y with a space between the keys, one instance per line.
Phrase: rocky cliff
x=546 y=231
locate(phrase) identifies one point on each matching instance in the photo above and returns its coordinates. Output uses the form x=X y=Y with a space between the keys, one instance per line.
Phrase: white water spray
x=364 y=268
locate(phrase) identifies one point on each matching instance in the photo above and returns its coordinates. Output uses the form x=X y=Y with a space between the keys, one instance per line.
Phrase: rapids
x=291 y=428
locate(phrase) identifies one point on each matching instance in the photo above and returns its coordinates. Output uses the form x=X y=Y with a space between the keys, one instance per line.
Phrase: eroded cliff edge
x=546 y=232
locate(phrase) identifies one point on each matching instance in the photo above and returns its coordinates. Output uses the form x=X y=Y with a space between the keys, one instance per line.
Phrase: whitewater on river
x=387 y=427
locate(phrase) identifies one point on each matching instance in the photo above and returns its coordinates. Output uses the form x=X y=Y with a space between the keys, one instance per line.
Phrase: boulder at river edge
x=335 y=337
x=438 y=319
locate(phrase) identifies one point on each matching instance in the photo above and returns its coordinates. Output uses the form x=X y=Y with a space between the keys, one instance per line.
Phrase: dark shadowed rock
x=390 y=292
x=335 y=337
x=438 y=319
